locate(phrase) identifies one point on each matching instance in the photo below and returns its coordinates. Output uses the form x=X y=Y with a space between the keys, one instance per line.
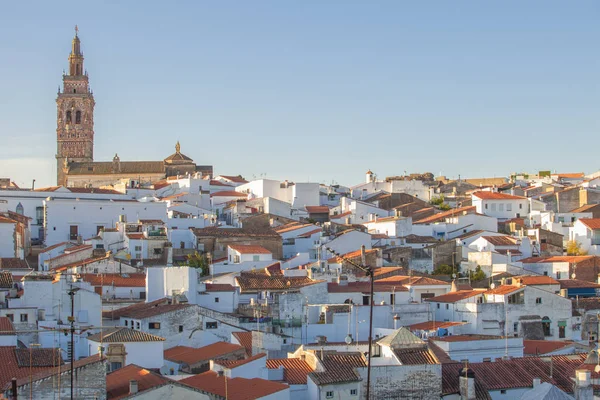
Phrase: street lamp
x=369 y=272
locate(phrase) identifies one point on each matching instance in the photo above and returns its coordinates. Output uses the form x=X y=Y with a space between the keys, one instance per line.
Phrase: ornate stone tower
x=75 y=117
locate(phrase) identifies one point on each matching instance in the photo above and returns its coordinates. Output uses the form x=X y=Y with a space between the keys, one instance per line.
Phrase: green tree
x=443 y=269
x=198 y=261
x=478 y=274
x=437 y=200
x=574 y=249
x=444 y=207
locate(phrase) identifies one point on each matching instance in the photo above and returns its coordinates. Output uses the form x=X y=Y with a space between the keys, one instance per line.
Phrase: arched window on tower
x=20 y=210
x=78 y=117
x=77 y=70
x=68 y=117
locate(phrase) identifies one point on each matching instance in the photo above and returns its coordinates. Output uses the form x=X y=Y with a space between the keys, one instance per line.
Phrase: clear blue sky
x=311 y=89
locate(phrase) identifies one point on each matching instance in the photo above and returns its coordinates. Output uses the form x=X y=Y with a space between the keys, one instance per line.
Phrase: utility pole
x=71 y=293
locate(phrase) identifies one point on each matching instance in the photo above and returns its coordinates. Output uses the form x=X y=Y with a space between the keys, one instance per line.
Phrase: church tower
x=75 y=119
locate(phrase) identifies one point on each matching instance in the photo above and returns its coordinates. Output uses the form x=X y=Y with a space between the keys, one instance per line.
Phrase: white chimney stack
x=133 y=386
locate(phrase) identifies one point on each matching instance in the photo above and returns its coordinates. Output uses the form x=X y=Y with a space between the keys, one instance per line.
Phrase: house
x=134 y=381
x=455 y=222
x=118 y=286
x=215 y=240
x=507 y=245
x=478 y=348
x=15 y=233
x=241 y=257
x=553 y=347
x=500 y=205
x=298 y=194
x=585 y=268
x=238 y=388
x=577 y=288
x=16 y=266
x=123 y=346
x=397 y=227
x=318 y=214
x=586 y=232
x=300 y=238
x=189 y=360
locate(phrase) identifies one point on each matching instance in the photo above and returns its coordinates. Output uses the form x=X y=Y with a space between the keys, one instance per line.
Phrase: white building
x=298 y=195
x=586 y=232
x=500 y=205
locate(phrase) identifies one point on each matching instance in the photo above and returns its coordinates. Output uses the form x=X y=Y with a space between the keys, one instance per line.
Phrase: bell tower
x=75 y=116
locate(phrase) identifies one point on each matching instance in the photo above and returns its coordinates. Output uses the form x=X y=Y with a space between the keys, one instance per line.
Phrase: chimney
x=14 y=388
x=583 y=388
x=133 y=386
x=363 y=255
x=536 y=382
x=563 y=293
x=170 y=256
x=342 y=280
x=466 y=383
x=453 y=287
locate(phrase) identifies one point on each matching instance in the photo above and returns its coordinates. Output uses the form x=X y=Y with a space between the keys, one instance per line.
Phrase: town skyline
x=226 y=74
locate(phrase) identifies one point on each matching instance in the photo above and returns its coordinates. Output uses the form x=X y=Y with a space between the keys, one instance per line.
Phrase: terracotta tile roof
x=317 y=209
x=555 y=259
x=236 y=363
x=501 y=240
x=117 y=382
x=117 y=280
x=414 y=281
x=292 y=226
x=496 y=196
x=585 y=208
x=190 y=355
x=383 y=219
x=379 y=236
x=219 y=183
x=465 y=338
x=249 y=282
x=592 y=223
x=420 y=239
x=535 y=280
x=228 y=193
x=342 y=215
x=135 y=235
x=469 y=234
x=416 y=356
x=440 y=354
x=536 y=347
x=6 y=280
x=144 y=310
x=237 y=388
x=234 y=232
x=126 y=167
x=339 y=367
x=433 y=325
x=515 y=373
x=440 y=217
x=81 y=263
x=6 y=326
x=13 y=263
x=122 y=335
x=351 y=255
x=15 y=362
x=249 y=249
x=453 y=297
x=54 y=246
x=504 y=289
x=577 y=283
x=570 y=175
x=4 y=220
x=151 y=221
x=295 y=370
x=236 y=179
x=245 y=340
x=93 y=190
x=364 y=287
x=310 y=233
x=219 y=287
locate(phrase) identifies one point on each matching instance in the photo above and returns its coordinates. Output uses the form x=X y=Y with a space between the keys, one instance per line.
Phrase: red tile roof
x=250 y=282
x=190 y=355
x=342 y=215
x=135 y=236
x=416 y=356
x=504 y=289
x=236 y=179
x=501 y=240
x=577 y=283
x=218 y=183
x=413 y=281
x=453 y=297
x=535 y=347
x=151 y=222
x=81 y=263
x=555 y=259
x=117 y=382
x=236 y=363
x=228 y=193
x=446 y=214
x=6 y=326
x=124 y=335
x=54 y=246
x=219 y=287
x=144 y=310
x=295 y=370
x=236 y=388
x=15 y=363
x=317 y=209
x=364 y=287
x=592 y=223
x=351 y=255
x=117 y=280
x=310 y=233
x=535 y=280
x=245 y=340
x=249 y=249
x=465 y=338
x=13 y=263
x=292 y=226
x=496 y=196
x=339 y=367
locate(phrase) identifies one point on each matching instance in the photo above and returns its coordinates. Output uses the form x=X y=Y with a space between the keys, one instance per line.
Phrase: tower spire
x=76 y=57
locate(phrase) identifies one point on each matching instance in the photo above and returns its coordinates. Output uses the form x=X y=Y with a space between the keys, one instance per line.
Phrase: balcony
x=157 y=233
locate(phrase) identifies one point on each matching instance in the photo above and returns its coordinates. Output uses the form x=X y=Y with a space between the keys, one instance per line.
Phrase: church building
x=75 y=140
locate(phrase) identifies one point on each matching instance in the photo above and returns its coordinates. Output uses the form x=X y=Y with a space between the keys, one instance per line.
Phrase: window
x=447 y=306
x=115 y=365
x=180 y=328
x=557 y=274
x=538 y=300
x=255 y=258
x=137 y=325
x=561 y=331
x=154 y=325
x=353 y=392
x=438 y=305
x=39 y=215
x=503 y=391
x=126 y=323
x=284 y=341
x=486 y=206
x=78 y=117
x=329 y=394
x=138 y=248
x=11 y=317
x=520 y=206
x=501 y=207
x=236 y=259
x=516 y=327
x=68 y=117
x=545 y=273
x=211 y=325
x=216 y=299
x=24 y=317
x=508 y=207
x=73 y=232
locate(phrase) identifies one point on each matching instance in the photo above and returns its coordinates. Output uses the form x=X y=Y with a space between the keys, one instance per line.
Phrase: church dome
x=178 y=157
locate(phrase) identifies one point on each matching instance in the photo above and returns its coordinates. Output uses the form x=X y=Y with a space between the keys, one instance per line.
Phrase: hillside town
x=168 y=279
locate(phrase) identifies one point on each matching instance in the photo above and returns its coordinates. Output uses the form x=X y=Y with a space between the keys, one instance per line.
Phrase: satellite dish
x=493 y=286
x=453 y=276
x=573 y=275
x=348 y=339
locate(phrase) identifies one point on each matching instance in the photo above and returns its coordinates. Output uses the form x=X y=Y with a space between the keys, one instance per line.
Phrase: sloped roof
x=15 y=363
x=245 y=339
x=504 y=289
x=6 y=280
x=484 y=195
x=501 y=240
x=536 y=280
x=295 y=370
x=421 y=356
x=190 y=355
x=108 y=168
x=545 y=391
x=433 y=325
x=253 y=282
x=339 y=367
x=6 y=326
x=555 y=259
x=455 y=212
x=453 y=297
x=117 y=382
x=144 y=310
x=535 y=347
x=235 y=388
x=249 y=249
x=123 y=335
x=401 y=338
x=13 y=263
x=592 y=223
x=117 y=280
x=236 y=363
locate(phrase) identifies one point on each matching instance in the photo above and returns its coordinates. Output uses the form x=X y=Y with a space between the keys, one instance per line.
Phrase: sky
x=311 y=90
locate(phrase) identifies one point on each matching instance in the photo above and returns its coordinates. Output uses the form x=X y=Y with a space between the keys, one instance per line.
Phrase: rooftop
x=295 y=370
x=117 y=382
x=124 y=335
x=234 y=388
x=483 y=195
x=453 y=297
x=249 y=249
x=190 y=355
x=117 y=280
